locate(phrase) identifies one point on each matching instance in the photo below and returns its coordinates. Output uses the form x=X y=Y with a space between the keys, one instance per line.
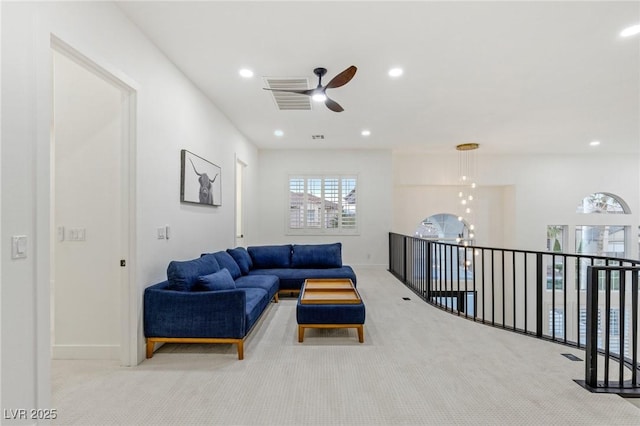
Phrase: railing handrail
x=527 y=251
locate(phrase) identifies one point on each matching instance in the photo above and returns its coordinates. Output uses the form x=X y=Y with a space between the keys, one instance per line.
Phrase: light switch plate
x=18 y=246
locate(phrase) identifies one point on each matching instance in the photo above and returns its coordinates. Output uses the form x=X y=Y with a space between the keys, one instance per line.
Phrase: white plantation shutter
x=296 y=203
x=322 y=204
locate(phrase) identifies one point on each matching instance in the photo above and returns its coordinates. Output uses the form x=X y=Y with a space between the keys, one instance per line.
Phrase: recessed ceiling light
x=395 y=72
x=632 y=30
x=246 y=73
x=365 y=132
x=594 y=143
x=279 y=133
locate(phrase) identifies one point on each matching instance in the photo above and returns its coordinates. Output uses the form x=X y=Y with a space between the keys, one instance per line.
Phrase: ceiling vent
x=289 y=101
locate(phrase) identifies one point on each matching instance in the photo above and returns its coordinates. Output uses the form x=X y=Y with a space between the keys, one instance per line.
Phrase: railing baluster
x=513 y=269
x=621 y=292
x=591 y=362
x=526 y=290
x=564 y=291
x=504 y=310
x=539 y=294
x=553 y=297
x=493 y=290
x=484 y=311
x=607 y=331
x=634 y=328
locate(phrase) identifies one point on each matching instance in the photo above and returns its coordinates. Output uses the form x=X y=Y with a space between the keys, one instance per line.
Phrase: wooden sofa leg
x=275 y=298
x=150 y=346
x=240 y=349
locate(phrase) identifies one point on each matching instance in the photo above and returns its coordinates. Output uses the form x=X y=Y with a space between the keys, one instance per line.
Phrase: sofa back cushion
x=226 y=261
x=242 y=258
x=317 y=256
x=182 y=275
x=265 y=257
x=220 y=280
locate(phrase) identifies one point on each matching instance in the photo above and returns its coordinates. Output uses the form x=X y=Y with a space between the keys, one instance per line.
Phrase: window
x=322 y=204
x=555 y=243
x=602 y=240
x=556 y=322
x=603 y=202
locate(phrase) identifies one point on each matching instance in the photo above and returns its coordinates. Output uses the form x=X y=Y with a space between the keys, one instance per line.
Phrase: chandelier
x=467 y=165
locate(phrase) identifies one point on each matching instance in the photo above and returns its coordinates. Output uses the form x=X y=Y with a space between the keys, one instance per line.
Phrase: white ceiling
x=513 y=76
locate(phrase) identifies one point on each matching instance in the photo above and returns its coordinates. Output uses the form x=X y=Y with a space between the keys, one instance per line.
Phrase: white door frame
x=129 y=300
x=240 y=166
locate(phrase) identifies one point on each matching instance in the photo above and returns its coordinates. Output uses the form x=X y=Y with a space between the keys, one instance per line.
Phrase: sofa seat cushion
x=257 y=300
x=226 y=261
x=316 y=256
x=268 y=283
x=220 y=280
x=242 y=258
x=182 y=275
x=292 y=279
x=270 y=256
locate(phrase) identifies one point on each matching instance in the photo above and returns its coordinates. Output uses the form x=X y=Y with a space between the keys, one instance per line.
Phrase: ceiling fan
x=318 y=94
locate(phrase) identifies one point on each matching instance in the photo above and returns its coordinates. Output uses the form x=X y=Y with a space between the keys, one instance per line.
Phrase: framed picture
x=200 y=180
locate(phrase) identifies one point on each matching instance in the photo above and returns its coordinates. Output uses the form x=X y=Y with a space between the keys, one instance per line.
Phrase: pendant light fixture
x=467 y=169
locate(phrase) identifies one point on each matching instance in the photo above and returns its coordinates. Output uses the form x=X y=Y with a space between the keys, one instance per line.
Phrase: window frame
x=322 y=229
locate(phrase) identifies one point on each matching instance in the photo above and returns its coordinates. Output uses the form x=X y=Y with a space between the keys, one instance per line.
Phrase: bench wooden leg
x=300 y=333
x=150 y=346
x=361 y=333
x=240 y=349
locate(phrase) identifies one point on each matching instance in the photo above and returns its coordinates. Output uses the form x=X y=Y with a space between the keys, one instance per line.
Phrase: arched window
x=603 y=202
x=444 y=227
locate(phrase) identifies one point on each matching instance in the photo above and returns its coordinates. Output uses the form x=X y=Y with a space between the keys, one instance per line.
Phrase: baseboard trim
x=369 y=265
x=85 y=352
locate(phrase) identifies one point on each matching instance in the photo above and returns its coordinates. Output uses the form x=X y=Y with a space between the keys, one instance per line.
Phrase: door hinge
x=123 y=262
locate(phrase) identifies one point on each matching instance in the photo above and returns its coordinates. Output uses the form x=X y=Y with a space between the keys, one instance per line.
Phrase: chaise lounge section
x=294 y=263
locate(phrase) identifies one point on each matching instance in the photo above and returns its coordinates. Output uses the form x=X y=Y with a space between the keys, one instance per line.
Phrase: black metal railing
x=541 y=294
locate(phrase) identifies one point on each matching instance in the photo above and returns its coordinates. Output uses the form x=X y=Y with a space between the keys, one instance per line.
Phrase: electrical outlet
x=161 y=233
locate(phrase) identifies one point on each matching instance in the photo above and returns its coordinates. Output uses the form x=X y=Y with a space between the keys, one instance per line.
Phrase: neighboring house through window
x=322 y=204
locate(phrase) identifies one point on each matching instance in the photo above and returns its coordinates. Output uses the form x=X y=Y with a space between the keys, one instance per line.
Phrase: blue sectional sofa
x=218 y=297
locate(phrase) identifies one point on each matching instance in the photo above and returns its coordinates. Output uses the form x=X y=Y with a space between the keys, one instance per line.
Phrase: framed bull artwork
x=200 y=180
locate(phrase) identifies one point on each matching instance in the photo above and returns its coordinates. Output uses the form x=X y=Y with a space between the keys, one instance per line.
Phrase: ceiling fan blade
x=343 y=78
x=333 y=105
x=308 y=92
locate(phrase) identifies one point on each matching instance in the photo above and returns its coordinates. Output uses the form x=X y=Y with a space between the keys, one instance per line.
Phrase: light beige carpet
x=418 y=366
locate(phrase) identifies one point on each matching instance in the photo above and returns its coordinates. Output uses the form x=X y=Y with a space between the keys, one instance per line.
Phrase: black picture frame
x=200 y=180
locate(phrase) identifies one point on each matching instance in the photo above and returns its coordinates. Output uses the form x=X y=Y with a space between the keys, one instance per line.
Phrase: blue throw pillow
x=242 y=258
x=226 y=261
x=268 y=257
x=183 y=274
x=220 y=280
x=317 y=256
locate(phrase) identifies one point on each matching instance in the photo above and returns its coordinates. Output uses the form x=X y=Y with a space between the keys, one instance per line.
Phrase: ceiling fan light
x=319 y=97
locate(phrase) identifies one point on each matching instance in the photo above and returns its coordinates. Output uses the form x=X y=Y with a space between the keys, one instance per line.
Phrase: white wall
x=172 y=114
x=373 y=168
x=518 y=195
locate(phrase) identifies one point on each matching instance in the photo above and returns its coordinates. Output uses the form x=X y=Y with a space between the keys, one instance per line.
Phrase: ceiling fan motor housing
x=320 y=72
